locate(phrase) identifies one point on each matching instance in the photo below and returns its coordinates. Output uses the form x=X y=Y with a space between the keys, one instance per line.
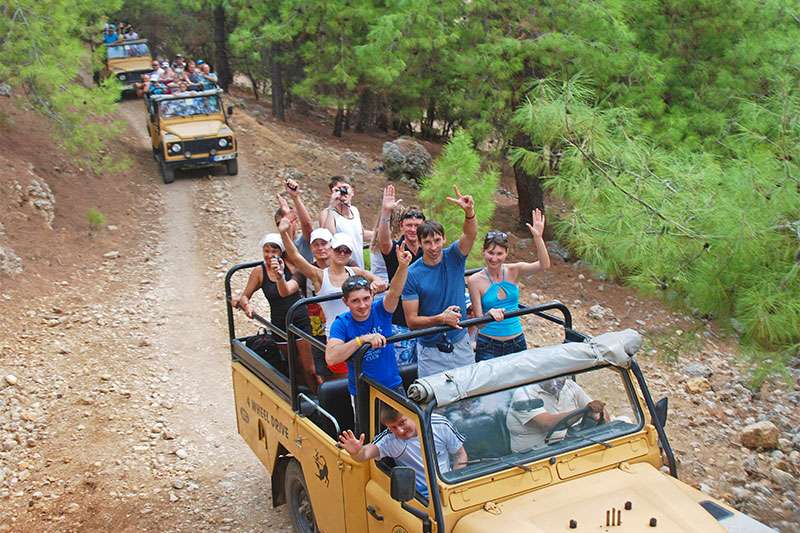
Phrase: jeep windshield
x=189 y=106
x=513 y=427
x=122 y=51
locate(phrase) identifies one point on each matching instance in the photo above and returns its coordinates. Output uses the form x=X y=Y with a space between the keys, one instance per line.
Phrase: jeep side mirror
x=230 y=110
x=662 y=406
x=403 y=483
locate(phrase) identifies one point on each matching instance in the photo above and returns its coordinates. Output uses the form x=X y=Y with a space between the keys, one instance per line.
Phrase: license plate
x=224 y=157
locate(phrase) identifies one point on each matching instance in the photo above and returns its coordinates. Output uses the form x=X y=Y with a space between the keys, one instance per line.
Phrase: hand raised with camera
x=276 y=265
x=451 y=316
x=292 y=187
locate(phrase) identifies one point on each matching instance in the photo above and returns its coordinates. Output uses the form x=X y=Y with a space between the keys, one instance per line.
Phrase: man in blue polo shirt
x=368 y=321
x=434 y=292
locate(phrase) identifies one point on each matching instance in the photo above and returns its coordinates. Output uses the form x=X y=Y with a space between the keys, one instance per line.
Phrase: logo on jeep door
x=322 y=468
x=244 y=415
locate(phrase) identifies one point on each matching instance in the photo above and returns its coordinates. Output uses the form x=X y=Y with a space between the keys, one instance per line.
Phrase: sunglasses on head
x=343 y=250
x=412 y=214
x=357 y=283
x=496 y=236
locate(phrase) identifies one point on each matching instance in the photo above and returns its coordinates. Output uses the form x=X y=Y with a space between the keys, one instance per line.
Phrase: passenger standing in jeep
x=434 y=294
x=368 y=321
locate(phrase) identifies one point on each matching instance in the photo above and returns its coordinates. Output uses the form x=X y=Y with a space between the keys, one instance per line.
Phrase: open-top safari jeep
x=190 y=130
x=616 y=473
x=127 y=61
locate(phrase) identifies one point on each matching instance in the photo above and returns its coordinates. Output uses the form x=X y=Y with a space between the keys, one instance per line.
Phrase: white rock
x=181 y=453
x=113 y=254
x=11 y=379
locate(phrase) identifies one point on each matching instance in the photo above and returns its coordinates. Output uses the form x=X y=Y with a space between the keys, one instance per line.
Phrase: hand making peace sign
x=465 y=202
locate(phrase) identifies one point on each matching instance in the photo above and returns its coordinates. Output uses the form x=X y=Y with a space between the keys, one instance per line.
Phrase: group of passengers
x=180 y=76
x=424 y=277
x=425 y=281
x=121 y=31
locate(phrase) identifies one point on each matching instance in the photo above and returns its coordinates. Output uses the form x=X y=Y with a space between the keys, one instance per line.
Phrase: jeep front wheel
x=232 y=167
x=298 y=500
x=167 y=173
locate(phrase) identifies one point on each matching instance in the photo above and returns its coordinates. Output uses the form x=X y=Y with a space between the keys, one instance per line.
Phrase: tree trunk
x=529 y=190
x=276 y=81
x=254 y=83
x=223 y=66
x=338 y=124
x=347 y=119
x=364 y=116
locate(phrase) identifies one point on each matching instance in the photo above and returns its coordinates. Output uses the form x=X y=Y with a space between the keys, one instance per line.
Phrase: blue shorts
x=489 y=348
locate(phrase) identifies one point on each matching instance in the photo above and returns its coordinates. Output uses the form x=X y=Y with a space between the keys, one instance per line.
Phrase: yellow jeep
x=609 y=469
x=189 y=130
x=127 y=61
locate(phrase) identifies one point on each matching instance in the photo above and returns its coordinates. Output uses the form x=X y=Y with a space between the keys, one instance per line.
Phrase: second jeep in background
x=190 y=130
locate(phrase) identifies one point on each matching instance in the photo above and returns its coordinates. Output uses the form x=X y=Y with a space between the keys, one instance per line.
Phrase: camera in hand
x=343 y=191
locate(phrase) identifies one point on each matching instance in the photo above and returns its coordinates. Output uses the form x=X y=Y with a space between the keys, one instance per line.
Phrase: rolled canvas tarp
x=615 y=348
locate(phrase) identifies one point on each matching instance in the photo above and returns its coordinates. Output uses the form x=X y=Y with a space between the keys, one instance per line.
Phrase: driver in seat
x=536 y=409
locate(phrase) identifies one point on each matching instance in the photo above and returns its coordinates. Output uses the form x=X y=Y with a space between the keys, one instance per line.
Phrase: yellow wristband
x=359 y=342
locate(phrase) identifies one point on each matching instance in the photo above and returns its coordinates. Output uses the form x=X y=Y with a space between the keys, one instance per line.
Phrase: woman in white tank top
x=342 y=217
x=329 y=280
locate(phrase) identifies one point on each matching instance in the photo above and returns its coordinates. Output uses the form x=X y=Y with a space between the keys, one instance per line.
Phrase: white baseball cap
x=271 y=238
x=320 y=233
x=343 y=239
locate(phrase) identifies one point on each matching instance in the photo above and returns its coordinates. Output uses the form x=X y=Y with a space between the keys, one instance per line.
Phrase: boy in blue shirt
x=434 y=293
x=368 y=321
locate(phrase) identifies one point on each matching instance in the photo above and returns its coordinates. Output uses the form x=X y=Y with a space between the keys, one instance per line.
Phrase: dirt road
x=147 y=407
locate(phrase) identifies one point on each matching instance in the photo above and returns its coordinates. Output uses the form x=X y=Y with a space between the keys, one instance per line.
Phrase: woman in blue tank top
x=494 y=291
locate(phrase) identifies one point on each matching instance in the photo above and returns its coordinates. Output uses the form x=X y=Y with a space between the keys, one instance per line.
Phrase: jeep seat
x=485 y=434
x=335 y=399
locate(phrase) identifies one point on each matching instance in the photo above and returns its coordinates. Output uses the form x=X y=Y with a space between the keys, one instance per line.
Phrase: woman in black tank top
x=274 y=278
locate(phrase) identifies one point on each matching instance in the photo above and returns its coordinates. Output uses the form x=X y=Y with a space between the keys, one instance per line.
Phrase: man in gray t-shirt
x=400 y=441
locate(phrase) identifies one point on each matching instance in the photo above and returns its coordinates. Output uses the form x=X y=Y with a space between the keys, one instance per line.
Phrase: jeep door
x=385 y=515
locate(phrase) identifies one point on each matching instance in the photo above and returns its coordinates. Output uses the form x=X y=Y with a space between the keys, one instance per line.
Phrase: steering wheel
x=567 y=421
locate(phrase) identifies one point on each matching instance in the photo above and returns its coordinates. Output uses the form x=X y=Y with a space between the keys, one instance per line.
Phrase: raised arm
x=285 y=288
x=293 y=190
x=392 y=297
x=326 y=218
x=292 y=254
x=356 y=448
x=469 y=231
x=542 y=254
x=384 y=231
x=376 y=284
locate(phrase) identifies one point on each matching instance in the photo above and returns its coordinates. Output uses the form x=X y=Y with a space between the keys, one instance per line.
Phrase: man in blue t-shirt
x=368 y=321
x=434 y=293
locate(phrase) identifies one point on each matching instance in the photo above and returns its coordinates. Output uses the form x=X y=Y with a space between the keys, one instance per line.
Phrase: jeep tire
x=298 y=500
x=232 y=167
x=167 y=173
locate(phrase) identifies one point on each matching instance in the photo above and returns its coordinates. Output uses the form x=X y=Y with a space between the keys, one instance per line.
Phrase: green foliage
x=96 y=220
x=460 y=164
x=43 y=53
x=720 y=235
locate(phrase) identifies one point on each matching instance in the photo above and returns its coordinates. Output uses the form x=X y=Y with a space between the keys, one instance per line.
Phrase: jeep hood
x=130 y=63
x=197 y=128
x=590 y=500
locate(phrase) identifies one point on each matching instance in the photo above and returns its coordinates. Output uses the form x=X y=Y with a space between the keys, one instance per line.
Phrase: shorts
x=432 y=361
x=488 y=348
x=404 y=351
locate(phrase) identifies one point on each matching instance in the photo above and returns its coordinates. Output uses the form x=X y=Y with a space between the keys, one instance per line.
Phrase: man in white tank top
x=342 y=217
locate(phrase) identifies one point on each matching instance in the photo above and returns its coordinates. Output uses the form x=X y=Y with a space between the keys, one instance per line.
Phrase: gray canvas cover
x=615 y=348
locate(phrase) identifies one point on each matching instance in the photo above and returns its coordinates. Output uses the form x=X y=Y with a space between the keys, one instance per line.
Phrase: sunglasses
x=412 y=214
x=344 y=250
x=497 y=235
x=353 y=284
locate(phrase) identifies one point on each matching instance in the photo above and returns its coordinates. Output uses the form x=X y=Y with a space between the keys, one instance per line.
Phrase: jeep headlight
x=175 y=148
x=122 y=77
x=223 y=142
